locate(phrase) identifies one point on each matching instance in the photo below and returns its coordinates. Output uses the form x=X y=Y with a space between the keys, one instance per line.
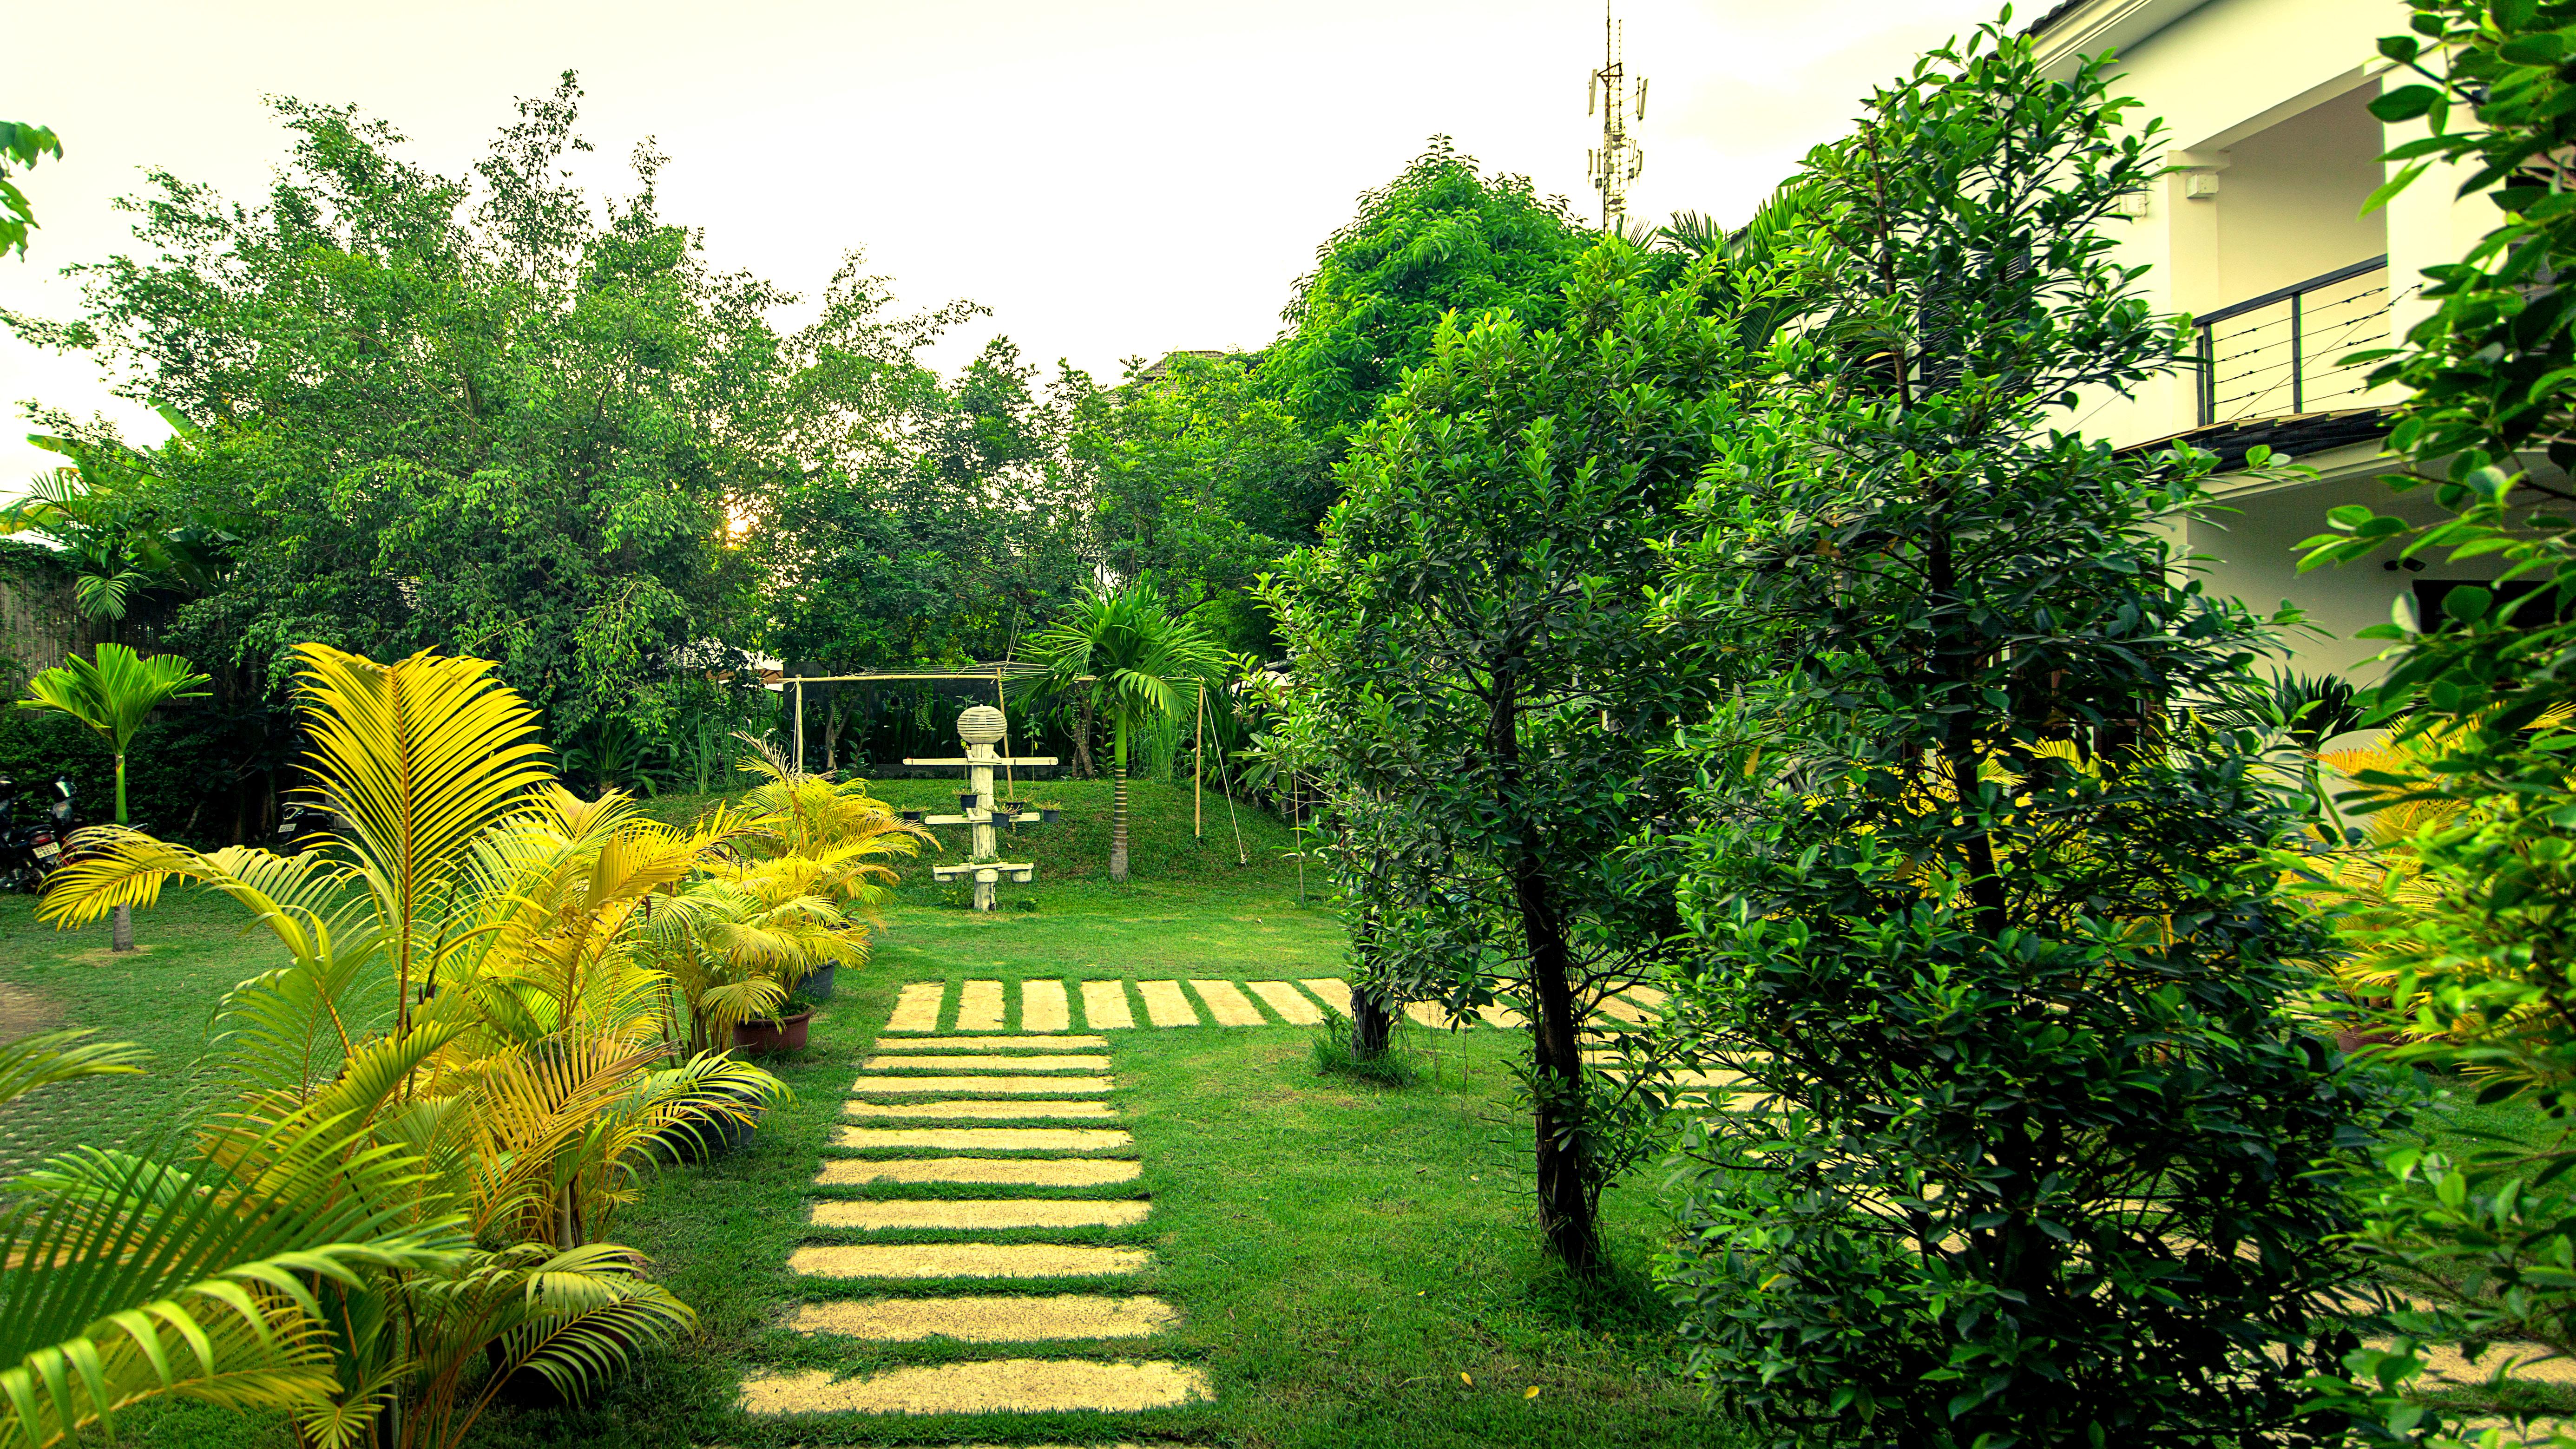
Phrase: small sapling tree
x=2028 y=1152
x=1477 y=684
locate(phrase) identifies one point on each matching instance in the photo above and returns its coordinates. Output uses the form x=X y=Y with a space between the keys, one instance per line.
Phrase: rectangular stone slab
x=1017 y=1171
x=988 y=1317
x=994 y=1044
x=1043 y=1006
x=977 y=1215
x=1335 y=994
x=1104 y=1006
x=969 y=1139
x=909 y=1062
x=966 y=1260
x=991 y=1386
x=1012 y=1111
x=1292 y=1004
x=1613 y=1007
x=1648 y=995
x=1428 y=1013
x=1497 y=1014
x=1165 y=1005
x=1227 y=1003
x=917 y=1007
x=979 y=1006
x=1013 y=1086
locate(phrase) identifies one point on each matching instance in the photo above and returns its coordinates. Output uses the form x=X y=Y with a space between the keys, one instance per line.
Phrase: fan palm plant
x=469 y=937
x=114 y=693
x=1123 y=650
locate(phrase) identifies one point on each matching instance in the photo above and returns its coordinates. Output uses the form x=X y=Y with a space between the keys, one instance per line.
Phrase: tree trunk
x=120 y=936
x=1563 y=1158
x=1082 y=764
x=1370 y=1024
x=1118 y=805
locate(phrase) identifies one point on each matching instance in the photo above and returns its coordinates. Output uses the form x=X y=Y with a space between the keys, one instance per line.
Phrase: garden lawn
x=1353 y=1265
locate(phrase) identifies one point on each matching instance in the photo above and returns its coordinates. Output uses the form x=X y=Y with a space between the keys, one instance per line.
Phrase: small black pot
x=818 y=986
x=914 y=816
x=707 y=1139
x=1047 y=817
x=967 y=802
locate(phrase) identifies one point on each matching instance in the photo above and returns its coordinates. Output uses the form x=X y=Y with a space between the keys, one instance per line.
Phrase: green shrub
x=2033 y=1154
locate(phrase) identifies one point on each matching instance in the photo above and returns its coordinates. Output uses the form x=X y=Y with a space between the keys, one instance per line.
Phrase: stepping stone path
x=993 y=1090
x=989 y=1111
x=1047 y=1006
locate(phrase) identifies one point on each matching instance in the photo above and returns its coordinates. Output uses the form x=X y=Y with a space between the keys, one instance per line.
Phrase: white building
x=2260 y=236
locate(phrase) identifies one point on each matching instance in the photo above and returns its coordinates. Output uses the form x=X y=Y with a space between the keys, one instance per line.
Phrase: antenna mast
x=1620 y=159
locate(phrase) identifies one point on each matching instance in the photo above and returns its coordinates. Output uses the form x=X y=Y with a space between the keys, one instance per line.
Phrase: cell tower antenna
x=1620 y=159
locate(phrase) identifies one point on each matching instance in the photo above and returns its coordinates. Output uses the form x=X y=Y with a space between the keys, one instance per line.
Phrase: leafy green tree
x=1125 y=653
x=2475 y=900
x=2027 y=1148
x=483 y=415
x=21 y=145
x=1476 y=679
x=922 y=519
x=1441 y=237
x=126 y=533
x=1200 y=476
x=113 y=694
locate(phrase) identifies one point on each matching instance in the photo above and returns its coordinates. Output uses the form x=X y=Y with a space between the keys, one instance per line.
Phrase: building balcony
x=2282 y=354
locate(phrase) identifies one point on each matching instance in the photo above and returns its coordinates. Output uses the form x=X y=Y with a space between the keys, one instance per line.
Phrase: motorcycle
x=30 y=854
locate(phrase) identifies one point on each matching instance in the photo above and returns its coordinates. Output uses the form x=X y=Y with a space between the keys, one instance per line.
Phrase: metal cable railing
x=2282 y=352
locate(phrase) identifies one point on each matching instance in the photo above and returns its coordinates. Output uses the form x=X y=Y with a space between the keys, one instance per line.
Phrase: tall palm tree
x=1126 y=651
x=113 y=694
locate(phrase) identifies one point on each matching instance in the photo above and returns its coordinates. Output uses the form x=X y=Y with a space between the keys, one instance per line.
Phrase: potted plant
x=784 y=1032
x=817 y=985
x=966 y=799
x=1047 y=813
x=712 y=1135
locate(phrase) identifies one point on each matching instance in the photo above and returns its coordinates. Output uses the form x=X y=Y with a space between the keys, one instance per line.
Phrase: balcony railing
x=2282 y=352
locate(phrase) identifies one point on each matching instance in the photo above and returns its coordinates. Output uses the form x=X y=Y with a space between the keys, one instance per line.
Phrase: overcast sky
x=1111 y=177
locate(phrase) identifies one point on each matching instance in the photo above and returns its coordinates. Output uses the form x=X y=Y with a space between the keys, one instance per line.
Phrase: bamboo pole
x=1010 y=782
x=800 y=727
x=1198 y=768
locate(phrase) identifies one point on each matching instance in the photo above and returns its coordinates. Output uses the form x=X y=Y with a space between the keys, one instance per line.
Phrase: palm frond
x=48 y=1057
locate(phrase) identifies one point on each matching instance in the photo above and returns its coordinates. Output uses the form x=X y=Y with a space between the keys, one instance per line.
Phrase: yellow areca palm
x=463 y=993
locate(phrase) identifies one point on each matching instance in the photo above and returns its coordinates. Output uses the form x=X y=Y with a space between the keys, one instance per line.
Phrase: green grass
x=1342 y=1253
x=190 y=949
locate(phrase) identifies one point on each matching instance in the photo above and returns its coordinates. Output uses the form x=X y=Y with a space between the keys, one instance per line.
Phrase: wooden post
x=1198 y=767
x=798 y=754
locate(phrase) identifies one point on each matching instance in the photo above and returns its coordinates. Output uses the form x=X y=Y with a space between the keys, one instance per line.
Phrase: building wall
x=2266 y=120
x=2289 y=204
x=38 y=623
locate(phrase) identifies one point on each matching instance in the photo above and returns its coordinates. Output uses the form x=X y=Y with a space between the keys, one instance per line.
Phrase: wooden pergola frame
x=997 y=671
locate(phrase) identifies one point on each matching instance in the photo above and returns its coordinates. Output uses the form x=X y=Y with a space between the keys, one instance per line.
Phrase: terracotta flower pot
x=2353 y=1043
x=784 y=1035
